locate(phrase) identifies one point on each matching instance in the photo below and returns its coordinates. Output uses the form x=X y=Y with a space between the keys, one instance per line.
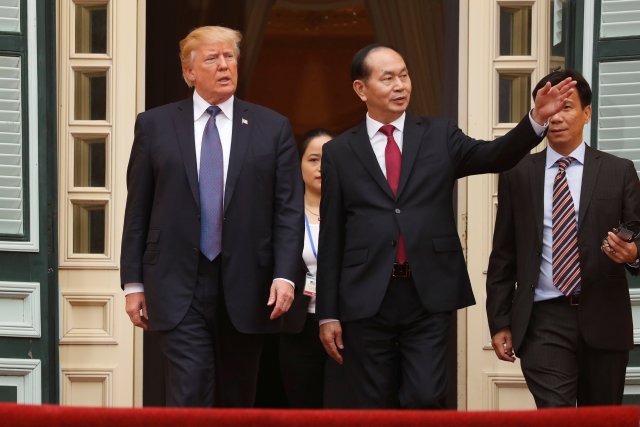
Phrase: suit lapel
x=183 y=122
x=239 y=143
x=536 y=175
x=413 y=131
x=589 y=179
x=361 y=146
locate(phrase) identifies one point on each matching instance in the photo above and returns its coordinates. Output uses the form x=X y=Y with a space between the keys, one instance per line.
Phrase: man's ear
x=359 y=89
x=587 y=114
x=187 y=71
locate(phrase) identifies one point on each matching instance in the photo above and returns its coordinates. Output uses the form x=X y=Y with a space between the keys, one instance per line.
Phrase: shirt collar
x=374 y=126
x=553 y=156
x=200 y=106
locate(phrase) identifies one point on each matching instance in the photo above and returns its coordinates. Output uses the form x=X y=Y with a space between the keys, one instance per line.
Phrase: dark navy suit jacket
x=263 y=224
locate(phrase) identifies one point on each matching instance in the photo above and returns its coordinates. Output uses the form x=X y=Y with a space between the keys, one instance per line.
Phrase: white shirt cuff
x=323 y=321
x=538 y=129
x=132 y=288
x=293 y=285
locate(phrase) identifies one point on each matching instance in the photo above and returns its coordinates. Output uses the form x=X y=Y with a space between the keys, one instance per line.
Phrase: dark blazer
x=361 y=218
x=263 y=214
x=610 y=193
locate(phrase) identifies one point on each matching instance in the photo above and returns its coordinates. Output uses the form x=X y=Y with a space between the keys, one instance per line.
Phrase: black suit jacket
x=610 y=193
x=361 y=218
x=263 y=214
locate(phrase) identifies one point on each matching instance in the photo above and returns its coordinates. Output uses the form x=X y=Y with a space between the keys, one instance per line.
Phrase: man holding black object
x=557 y=293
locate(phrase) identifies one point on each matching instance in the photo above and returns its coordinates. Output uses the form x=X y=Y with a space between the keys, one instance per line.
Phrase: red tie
x=393 y=160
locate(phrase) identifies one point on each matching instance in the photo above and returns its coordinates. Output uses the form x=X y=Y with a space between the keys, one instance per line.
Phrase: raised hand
x=550 y=99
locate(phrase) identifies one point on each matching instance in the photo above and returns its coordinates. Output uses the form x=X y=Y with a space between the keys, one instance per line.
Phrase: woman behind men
x=302 y=357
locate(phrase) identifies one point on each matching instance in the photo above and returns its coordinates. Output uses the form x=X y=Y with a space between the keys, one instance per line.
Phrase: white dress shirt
x=379 y=140
x=224 y=123
x=545 y=289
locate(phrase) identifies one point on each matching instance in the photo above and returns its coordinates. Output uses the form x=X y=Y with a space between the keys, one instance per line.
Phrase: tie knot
x=387 y=130
x=213 y=110
x=564 y=162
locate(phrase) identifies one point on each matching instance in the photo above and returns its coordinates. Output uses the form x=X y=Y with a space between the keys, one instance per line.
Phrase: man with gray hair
x=213 y=227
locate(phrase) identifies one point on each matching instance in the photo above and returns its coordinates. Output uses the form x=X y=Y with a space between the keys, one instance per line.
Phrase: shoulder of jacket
x=266 y=112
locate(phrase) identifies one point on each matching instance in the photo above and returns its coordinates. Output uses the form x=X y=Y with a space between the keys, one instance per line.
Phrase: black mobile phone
x=628 y=231
x=623 y=233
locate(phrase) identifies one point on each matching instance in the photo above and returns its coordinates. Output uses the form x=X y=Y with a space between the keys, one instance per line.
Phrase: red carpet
x=50 y=415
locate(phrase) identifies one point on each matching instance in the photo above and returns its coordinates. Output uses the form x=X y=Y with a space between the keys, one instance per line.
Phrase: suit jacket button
x=393 y=243
x=397 y=211
x=195 y=250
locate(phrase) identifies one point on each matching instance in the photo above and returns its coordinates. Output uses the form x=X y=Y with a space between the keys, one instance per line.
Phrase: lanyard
x=313 y=246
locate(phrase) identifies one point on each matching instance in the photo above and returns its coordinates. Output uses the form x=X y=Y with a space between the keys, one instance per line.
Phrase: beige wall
x=490 y=384
x=97 y=341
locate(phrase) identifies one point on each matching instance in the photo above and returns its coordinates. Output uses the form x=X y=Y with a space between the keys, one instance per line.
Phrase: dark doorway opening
x=295 y=59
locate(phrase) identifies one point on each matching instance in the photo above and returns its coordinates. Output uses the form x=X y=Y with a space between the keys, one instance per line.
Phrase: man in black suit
x=390 y=265
x=213 y=227
x=557 y=294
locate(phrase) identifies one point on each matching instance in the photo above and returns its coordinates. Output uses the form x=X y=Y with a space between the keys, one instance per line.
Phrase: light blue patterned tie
x=211 y=187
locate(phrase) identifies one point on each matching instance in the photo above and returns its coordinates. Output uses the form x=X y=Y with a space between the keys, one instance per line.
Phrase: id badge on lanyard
x=310 y=279
x=310 y=285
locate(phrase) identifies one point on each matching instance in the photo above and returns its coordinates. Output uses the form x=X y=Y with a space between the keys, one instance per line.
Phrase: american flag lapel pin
x=245 y=121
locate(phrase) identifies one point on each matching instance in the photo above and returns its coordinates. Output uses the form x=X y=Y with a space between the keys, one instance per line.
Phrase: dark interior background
x=301 y=69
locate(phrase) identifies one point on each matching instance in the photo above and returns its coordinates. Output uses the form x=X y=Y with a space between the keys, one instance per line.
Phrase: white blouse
x=309 y=259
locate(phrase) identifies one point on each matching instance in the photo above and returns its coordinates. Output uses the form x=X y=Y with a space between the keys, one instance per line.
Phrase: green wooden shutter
x=616 y=119
x=11 y=144
x=28 y=277
x=618 y=126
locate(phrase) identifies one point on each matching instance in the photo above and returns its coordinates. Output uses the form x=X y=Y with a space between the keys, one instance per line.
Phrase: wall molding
x=632 y=381
x=26 y=376
x=102 y=377
x=24 y=299
x=634 y=295
x=496 y=381
x=76 y=332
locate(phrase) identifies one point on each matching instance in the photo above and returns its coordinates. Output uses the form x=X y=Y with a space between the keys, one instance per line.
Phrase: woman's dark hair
x=307 y=137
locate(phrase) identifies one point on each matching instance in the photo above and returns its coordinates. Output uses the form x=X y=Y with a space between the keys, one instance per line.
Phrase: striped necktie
x=211 y=184
x=565 y=255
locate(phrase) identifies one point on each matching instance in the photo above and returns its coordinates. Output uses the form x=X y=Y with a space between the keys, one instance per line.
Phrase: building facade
x=74 y=74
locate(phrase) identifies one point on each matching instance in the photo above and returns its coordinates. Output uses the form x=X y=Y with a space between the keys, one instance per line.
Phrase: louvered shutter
x=620 y=18
x=10 y=16
x=619 y=109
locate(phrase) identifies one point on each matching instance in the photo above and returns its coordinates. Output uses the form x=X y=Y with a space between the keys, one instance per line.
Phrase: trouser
x=560 y=368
